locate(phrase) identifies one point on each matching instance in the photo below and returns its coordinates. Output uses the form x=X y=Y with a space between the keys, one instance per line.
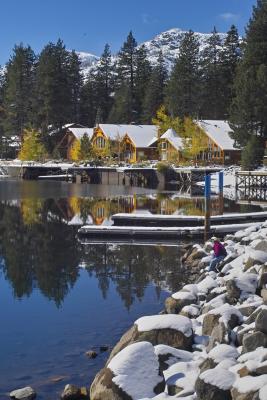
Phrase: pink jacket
x=219 y=249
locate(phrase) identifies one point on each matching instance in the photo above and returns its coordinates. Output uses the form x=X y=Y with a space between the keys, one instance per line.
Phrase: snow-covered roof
x=219 y=132
x=141 y=135
x=173 y=138
x=79 y=132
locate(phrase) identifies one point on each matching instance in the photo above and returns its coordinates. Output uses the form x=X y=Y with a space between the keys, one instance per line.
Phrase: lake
x=60 y=298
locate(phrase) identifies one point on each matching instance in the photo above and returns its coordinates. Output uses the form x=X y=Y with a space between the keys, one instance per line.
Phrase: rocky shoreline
x=210 y=342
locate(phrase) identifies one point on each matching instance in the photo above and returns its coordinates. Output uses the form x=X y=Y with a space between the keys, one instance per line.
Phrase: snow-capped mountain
x=168 y=42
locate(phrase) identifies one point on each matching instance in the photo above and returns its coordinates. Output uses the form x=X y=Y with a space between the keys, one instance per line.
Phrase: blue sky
x=86 y=25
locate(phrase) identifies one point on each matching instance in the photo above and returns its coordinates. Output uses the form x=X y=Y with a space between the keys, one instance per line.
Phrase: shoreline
x=210 y=342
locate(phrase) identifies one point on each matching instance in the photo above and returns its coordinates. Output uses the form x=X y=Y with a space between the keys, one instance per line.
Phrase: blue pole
x=221 y=181
x=207 y=186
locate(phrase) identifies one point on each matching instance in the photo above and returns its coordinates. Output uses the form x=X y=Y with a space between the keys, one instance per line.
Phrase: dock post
x=221 y=181
x=207 y=207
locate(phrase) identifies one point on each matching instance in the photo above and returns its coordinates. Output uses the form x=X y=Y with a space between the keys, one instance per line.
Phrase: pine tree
x=154 y=96
x=57 y=87
x=18 y=90
x=183 y=87
x=88 y=102
x=212 y=86
x=249 y=107
x=230 y=57
x=104 y=84
x=75 y=85
x=252 y=154
x=142 y=76
x=124 y=107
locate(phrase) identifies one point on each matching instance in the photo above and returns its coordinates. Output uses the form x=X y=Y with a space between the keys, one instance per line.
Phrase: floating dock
x=158 y=220
x=161 y=233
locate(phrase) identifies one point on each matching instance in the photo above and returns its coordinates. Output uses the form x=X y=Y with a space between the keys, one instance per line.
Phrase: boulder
x=226 y=314
x=263 y=280
x=251 y=341
x=91 y=354
x=233 y=291
x=169 y=329
x=26 y=393
x=71 y=392
x=261 y=321
x=264 y=295
x=132 y=374
x=208 y=363
x=260 y=245
x=252 y=317
x=177 y=301
x=247 y=387
x=219 y=334
x=214 y=384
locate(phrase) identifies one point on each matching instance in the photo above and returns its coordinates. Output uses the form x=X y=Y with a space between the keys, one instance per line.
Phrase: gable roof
x=219 y=132
x=173 y=138
x=79 y=132
x=141 y=135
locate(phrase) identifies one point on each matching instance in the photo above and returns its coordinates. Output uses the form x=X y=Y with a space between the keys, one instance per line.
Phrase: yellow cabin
x=170 y=145
x=66 y=146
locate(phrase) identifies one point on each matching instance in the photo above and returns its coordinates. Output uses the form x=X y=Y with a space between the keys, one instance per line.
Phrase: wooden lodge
x=134 y=143
x=220 y=147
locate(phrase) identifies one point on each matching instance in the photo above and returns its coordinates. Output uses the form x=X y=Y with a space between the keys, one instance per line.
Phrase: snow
x=250 y=383
x=218 y=377
x=80 y=132
x=258 y=255
x=247 y=283
x=172 y=136
x=260 y=354
x=167 y=321
x=183 y=296
x=136 y=370
x=206 y=284
x=183 y=375
x=226 y=311
x=263 y=393
x=183 y=355
x=219 y=132
x=222 y=352
x=192 y=311
x=141 y=135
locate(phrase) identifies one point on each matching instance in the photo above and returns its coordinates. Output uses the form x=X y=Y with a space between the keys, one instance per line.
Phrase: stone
x=71 y=392
x=169 y=337
x=251 y=341
x=264 y=295
x=206 y=391
x=244 y=371
x=127 y=367
x=263 y=280
x=261 y=321
x=175 y=305
x=91 y=354
x=242 y=396
x=104 y=348
x=253 y=316
x=171 y=306
x=26 y=393
x=261 y=245
x=233 y=292
x=248 y=310
x=219 y=334
x=209 y=322
x=208 y=363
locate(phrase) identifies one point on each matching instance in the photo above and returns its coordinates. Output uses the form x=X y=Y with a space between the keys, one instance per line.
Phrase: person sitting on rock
x=219 y=253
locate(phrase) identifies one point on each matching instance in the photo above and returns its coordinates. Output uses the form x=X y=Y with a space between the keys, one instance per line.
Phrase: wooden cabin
x=220 y=145
x=170 y=146
x=68 y=141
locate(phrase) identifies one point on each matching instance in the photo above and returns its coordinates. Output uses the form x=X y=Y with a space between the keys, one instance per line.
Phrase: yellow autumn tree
x=194 y=139
x=32 y=148
x=31 y=210
x=75 y=151
x=165 y=121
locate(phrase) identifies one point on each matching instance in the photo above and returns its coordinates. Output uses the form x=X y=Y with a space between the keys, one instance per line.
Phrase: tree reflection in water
x=40 y=249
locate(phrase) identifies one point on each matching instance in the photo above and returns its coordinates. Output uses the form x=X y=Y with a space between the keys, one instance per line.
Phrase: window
x=100 y=142
x=163 y=145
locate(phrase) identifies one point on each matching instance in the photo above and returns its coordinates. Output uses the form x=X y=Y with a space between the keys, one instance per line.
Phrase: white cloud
x=148 y=19
x=228 y=16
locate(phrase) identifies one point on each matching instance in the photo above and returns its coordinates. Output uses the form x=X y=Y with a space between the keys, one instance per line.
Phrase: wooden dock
x=161 y=233
x=158 y=220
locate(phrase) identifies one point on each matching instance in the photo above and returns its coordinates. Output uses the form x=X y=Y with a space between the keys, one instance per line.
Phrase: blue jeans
x=214 y=262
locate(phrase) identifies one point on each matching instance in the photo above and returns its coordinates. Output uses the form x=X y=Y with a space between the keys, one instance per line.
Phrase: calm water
x=58 y=298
